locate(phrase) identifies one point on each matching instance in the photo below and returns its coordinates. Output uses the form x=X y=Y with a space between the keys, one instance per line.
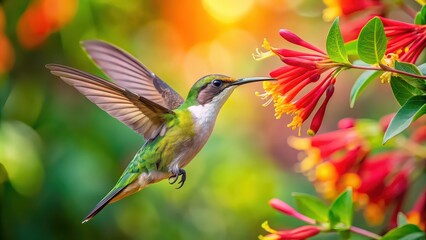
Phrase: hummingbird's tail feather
x=107 y=199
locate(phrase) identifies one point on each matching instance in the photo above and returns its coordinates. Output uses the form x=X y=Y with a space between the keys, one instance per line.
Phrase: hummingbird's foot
x=175 y=177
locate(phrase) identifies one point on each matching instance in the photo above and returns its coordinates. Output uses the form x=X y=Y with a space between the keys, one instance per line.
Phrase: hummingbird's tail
x=107 y=199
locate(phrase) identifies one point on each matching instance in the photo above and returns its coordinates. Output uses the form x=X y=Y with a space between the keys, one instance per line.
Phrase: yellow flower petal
x=267 y=228
x=326 y=172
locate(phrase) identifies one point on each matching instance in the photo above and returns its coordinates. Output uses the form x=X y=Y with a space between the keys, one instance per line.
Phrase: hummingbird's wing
x=131 y=74
x=137 y=112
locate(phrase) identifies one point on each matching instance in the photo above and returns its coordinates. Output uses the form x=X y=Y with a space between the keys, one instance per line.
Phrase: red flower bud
x=293 y=38
x=300 y=232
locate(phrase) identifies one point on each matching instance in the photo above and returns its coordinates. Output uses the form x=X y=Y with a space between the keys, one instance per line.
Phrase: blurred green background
x=60 y=154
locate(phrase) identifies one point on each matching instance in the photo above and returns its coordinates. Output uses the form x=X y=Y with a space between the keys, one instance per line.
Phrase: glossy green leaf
x=402 y=219
x=411 y=68
x=341 y=211
x=351 y=47
x=311 y=206
x=403 y=90
x=361 y=83
x=421 y=16
x=335 y=44
x=406 y=232
x=422 y=68
x=414 y=108
x=372 y=42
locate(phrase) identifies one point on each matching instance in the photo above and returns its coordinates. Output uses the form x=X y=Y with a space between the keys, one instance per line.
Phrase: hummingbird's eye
x=217 y=83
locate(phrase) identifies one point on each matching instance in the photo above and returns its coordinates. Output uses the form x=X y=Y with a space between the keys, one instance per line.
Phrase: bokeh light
x=228 y=11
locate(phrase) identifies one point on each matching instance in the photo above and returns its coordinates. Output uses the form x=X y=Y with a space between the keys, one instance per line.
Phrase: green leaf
x=406 y=232
x=422 y=67
x=335 y=44
x=341 y=211
x=351 y=47
x=402 y=219
x=361 y=83
x=411 y=68
x=402 y=90
x=421 y=16
x=414 y=108
x=346 y=234
x=372 y=42
x=311 y=206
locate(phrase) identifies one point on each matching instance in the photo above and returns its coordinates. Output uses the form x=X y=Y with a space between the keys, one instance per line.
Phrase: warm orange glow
x=6 y=54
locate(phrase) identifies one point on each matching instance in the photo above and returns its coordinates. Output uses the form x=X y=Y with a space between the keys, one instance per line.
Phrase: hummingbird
x=174 y=129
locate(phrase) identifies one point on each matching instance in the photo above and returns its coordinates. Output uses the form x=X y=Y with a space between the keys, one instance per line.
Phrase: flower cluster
x=405 y=39
x=301 y=69
x=347 y=158
x=43 y=17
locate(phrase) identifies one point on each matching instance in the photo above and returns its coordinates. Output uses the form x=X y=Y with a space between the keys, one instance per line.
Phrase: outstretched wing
x=129 y=73
x=137 y=112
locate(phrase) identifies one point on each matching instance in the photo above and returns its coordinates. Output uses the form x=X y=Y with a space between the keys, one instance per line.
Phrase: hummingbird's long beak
x=250 y=80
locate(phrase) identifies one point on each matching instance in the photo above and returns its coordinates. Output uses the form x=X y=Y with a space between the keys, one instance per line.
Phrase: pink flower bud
x=346 y=123
x=300 y=232
x=282 y=207
x=293 y=38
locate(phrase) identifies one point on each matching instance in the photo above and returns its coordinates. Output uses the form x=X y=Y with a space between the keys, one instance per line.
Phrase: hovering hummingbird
x=175 y=130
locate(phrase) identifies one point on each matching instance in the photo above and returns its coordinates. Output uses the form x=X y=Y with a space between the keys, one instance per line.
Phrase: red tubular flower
x=405 y=39
x=347 y=158
x=300 y=70
x=303 y=232
x=354 y=14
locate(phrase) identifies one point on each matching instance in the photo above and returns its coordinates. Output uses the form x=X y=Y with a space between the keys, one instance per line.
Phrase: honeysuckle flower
x=405 y=39
x=347 y=158
x=301 y=69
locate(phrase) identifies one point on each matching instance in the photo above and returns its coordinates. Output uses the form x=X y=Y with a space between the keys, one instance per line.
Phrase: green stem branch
x=386 y=68
x=364 y=232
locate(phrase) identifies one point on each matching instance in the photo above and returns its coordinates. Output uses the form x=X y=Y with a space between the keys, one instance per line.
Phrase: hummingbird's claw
x=175 y=177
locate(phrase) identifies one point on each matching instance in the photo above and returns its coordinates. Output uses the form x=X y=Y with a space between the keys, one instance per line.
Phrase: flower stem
x=364 y=232
x=386 y=68
x=407 y=9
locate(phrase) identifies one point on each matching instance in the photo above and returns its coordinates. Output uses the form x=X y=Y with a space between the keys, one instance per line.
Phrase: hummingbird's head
x=217 y=88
